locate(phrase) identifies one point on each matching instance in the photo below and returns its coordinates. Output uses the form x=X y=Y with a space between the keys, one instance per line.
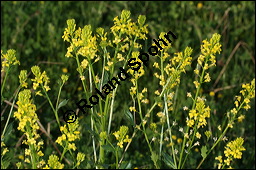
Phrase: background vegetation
x=34 y=30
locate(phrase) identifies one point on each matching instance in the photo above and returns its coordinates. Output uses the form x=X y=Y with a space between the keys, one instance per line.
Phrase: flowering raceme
x=200 y=113
x=121 y=136
x=69 y=135
x=28 y=124
x=8 y=59
x=40 y=79
x=233 y=150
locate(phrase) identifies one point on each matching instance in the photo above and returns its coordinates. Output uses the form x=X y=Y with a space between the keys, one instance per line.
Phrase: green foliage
x=35 y=29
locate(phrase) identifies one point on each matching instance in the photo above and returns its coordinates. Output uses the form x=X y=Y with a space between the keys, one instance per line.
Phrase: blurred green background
x=34 y=30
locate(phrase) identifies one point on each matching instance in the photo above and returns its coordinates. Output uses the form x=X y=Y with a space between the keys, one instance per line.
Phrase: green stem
x=220 y=138
x=64 y=151
x=57 y=102
x=5 y=77
x=92 y=121
x=10 y=113
x=55 y=112
x=194 y=103
x=114 y=92
x=170 y=131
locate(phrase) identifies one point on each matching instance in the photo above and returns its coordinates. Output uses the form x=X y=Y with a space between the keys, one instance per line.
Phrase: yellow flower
x=212 y=93
x=174 y=137
x=189 y=94
x=199 y=5
x=220 y=95
x=121 y=136
x=53 y=163
x=207 y=78
x=132 y=109
x=72 y=146
x=196 y=84
x=146 y=101
x=64 y=78
x=40 y=78
x=198 y=135
x=179 y=140
x=21 y=157
x=80 y=158
x=8 y=59
x=240 y=118
x=84 y=64
x=79 y=88
x=69 y=134
x=196 y=71
x=234 y=148
x=190 y=122
x=64 y=70
x=157 y=92
x=23 y=78
x=82 y=77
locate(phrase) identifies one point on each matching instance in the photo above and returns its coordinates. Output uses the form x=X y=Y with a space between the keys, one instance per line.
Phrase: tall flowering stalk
x=233 y=150
x=84 y=48
x=28 y=124
x=8 y=60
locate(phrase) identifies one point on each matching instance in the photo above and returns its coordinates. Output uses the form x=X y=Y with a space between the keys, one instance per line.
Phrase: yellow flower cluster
x=40 y=79
x=248 y=93
x=207 y=58
x=140 y=72
x=135 y=76
x=121 y=136
x=4 y=150
x=26 y=112
x=81 y=40
x=199 y=114
x=27 y=124
x=8 y=59
x=173 y=69
x=80 y=158
x=233 y=150
x=69 y=135
x=208 y=50
x=125 y=26
x=53 y=163
x=23 y=78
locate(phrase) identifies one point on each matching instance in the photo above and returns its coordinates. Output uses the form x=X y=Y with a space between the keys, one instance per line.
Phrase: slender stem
x=86 y=95
x=170 y=131
x=194 y=103
x=57 y=102
x=114 y=92
x=223 y=133
x=161 y=140
x=56 y=114
x=64 y=151
x=10 y=113
x=5 y=77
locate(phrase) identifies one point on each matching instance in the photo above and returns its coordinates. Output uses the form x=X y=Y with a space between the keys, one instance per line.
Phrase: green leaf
x=168 y=160
x=154 y=158
x=157 y=99
x=63 y=103
x=203 y=151
x=8 y=129
x=129 y=117
x=87 y=127
x=125 y=165
x=105 y=78
x=108 y=148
